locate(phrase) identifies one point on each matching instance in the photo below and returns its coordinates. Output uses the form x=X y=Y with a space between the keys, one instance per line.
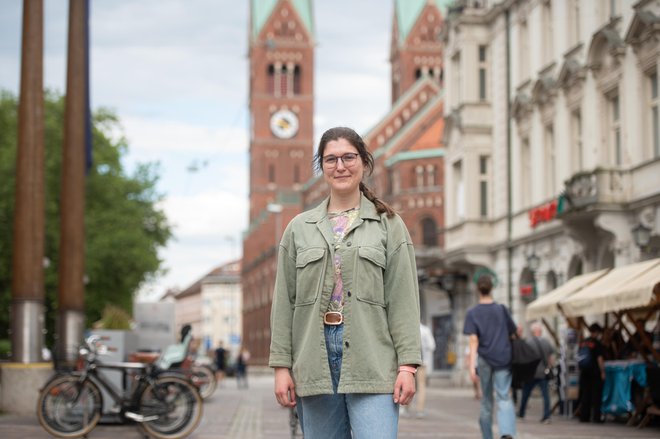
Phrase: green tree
x=124 y=225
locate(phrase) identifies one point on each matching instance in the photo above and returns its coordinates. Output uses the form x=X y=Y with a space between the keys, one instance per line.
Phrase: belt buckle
x=333 y=318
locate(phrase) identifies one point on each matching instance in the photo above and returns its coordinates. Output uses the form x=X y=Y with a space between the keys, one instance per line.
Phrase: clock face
x=284 y=124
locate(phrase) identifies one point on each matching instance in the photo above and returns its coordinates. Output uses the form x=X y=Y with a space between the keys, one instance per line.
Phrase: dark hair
x=355 y=140
x=484 y=284
x=595 y=327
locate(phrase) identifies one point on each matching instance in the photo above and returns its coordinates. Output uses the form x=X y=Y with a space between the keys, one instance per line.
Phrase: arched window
x=296 y=80
x=429 y=232
x=270 y=85
x=284 y=81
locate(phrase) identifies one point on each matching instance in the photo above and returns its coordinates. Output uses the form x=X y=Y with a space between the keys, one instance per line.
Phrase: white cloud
x=207 y=229
x=167 y=136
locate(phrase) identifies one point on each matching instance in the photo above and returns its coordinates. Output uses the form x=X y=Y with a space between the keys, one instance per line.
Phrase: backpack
x=585 y=356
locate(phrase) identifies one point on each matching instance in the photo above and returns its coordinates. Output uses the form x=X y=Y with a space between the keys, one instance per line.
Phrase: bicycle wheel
x=176 y=406
x=69 y=408
x=204 y=379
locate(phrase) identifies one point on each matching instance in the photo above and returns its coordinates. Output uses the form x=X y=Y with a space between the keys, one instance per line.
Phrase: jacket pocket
x=310 y=267
x=371 y=265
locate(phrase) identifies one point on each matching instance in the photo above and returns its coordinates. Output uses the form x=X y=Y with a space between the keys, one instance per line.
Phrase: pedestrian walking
x=428 y=348
x=241 y=367
x=591 y=362
x=220 y=362
x=543 y=373
x=345 y=314
x=489 y=328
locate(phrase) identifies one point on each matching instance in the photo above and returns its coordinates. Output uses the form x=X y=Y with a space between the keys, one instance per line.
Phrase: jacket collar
x=367 y=211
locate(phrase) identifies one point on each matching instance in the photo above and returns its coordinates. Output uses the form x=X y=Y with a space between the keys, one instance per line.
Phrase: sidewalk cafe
x=625 y=301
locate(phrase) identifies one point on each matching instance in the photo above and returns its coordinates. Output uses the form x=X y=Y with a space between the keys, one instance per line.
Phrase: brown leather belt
x=333 y=318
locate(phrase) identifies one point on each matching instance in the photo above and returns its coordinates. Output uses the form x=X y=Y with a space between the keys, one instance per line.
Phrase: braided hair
x=354 y=139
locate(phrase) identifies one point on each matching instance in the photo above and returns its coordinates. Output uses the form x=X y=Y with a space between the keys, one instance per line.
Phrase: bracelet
x=412 y=370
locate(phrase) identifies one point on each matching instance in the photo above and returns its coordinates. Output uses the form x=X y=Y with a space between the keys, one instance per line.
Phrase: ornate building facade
x=553 y=141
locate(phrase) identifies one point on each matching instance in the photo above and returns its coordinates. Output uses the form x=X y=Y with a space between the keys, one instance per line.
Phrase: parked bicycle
x=164 y=404
x=176 y=359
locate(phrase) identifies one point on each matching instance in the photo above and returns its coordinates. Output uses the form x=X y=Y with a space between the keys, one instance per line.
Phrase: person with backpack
x=591 y=362
x=489 y=328
x=542 y=374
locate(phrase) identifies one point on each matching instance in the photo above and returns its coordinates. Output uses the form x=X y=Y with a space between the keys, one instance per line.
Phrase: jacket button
x=348 y=293
x=347 y=345
x=348 y=243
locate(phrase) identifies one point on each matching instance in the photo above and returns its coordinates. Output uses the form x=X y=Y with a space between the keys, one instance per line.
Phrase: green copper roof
x=415 y=155
x=407 y=12
x=261 y=10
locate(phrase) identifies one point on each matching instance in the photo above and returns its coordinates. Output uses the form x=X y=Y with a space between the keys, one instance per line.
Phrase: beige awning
x=630 y=286
x=546 y=305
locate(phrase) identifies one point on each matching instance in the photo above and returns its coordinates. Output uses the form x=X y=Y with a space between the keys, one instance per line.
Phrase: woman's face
x=342 y=175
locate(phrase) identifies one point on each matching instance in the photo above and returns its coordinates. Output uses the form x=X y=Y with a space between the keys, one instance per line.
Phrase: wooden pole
x=28 y=290
x=71 y=291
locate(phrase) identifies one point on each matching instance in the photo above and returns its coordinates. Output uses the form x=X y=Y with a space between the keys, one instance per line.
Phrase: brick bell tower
x=281 y=52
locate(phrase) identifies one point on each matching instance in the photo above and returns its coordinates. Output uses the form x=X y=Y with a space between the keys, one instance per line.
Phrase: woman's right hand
x=284 y=387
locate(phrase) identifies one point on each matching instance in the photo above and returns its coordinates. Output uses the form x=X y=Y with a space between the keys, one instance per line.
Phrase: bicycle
x=165 y=405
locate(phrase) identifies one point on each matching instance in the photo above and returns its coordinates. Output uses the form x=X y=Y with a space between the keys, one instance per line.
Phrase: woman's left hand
x=404 y=388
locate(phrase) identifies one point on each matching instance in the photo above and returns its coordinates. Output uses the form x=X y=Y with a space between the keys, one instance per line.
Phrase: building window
x=430 y=175
x=655 y=117
x=547 y=32
x=284 y=81
x=576 y=141
x=429 y=232
x=482 y=73
x=615 y=129
x=271 y=80
x=419 y=176
x=483 y=186
x=296 y=81
x=550 y=158
x=526 y=173
x=460 y=191
x=296 y=173
x=524 y=50
x=271 y=173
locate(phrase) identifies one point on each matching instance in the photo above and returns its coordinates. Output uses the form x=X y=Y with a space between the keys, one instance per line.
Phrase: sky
x=176 y=74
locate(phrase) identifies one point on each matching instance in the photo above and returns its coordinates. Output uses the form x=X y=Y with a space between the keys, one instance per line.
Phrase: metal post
x=71 y=315
x=29 y=218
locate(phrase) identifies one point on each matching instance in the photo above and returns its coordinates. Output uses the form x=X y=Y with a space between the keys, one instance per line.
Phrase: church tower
x=281 y=52
x=416 y=48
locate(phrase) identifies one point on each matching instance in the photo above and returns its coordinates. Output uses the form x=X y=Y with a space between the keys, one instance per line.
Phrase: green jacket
x=381 y=302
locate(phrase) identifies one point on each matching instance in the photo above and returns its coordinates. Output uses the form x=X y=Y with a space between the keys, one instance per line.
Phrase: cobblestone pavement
x=252 y=413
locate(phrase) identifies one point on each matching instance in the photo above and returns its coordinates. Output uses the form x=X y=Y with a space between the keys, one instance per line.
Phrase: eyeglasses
x=348 y=159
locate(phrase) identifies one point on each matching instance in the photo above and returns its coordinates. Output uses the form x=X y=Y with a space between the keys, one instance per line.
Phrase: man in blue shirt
x=489 y=327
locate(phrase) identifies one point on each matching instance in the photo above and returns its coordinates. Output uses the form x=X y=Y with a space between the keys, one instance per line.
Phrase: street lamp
x=641 y=235
x=533 y=262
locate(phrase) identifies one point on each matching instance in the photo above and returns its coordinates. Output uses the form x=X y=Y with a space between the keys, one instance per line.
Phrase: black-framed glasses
x=349 y=159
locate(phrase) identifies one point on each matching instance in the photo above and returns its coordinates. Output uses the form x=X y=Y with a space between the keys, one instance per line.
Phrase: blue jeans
x=527 y=390
x=500 y=381
x=366 y=415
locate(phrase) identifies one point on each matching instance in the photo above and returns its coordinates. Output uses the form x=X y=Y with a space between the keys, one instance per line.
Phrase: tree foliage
x=124 y=225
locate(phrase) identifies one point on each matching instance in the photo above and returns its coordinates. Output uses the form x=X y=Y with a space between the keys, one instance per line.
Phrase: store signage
x=542 y=213
x=528 y=292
